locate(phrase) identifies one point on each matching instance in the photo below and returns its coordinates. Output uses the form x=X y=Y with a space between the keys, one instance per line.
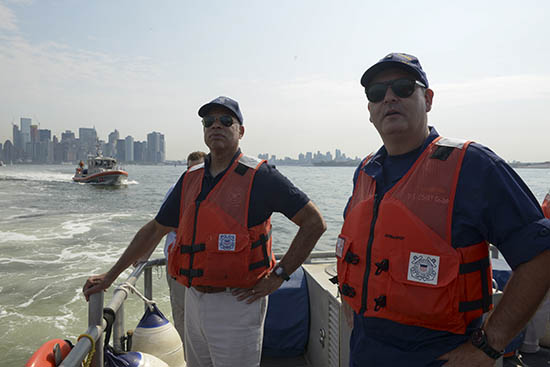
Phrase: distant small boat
x=101 y=170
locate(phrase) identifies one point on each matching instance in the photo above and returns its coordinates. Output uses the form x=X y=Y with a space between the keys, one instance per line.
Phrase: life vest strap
x=474 y=266
x=189 y=249
x=241 y=169
x=442 y=153
x=486 y=300
x=263 y=240
x=482 y=303
x=266 y=261
x=191 y=273
x=259 y=264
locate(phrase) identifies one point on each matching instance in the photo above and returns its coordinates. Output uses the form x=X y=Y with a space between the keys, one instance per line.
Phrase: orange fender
x=44 y=356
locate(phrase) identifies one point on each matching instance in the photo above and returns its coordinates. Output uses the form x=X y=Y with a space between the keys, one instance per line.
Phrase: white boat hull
x=115 y=177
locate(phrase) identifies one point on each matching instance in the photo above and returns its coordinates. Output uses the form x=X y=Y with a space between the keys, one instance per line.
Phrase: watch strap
x=479 y=340
x=281 y=273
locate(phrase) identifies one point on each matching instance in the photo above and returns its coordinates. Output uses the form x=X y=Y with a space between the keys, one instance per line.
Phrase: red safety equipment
x=45 y=356
x=214 y=246
x=395 y=258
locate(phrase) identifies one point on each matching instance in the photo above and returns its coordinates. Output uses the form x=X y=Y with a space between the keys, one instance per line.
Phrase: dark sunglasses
x=226 y=120
x=403 y=88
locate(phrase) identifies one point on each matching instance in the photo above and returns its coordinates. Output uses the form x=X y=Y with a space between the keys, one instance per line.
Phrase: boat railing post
x=118 y=329
x=148 y=283
x=95 y=319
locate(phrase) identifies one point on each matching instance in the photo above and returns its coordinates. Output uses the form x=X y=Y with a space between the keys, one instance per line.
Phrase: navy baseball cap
x=403 y=61
x=222 y=101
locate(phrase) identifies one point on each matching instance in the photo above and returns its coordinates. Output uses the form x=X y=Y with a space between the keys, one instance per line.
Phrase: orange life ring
x=44 y=356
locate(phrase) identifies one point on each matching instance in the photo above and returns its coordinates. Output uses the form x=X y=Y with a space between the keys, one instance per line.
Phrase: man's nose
x=390 y=95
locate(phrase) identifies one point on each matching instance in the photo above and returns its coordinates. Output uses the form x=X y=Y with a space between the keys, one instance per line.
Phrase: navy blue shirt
x=271 y=192
x=492 y=203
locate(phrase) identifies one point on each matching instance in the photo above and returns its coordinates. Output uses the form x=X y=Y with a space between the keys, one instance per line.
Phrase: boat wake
x=39 y=176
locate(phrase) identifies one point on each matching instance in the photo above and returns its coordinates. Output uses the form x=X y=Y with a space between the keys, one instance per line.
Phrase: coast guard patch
x=340 y=242
x=423 y=268
x=226 y=242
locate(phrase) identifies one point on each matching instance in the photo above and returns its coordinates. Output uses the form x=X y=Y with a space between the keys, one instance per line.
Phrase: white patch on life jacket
x=249 y=161
x=340 y=243
x=226 y=242
x=423 y=268
x=451 y=142
x=196 y=167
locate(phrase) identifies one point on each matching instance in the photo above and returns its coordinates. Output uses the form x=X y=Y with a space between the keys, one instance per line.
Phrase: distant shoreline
x=350 y=163
x=529 y=164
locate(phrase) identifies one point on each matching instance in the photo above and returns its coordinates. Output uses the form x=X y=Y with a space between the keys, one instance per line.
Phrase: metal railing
x=97 y=324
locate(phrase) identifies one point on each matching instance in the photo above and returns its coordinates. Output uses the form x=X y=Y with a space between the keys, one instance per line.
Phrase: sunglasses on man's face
x=226 y=120
x=403 y=88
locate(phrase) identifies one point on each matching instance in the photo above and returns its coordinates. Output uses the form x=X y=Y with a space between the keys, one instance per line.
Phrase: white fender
x=155 y=335
x=138 y=359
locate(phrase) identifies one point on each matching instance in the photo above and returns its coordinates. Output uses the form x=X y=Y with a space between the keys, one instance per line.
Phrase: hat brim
x=379 y=67
x=203 y=111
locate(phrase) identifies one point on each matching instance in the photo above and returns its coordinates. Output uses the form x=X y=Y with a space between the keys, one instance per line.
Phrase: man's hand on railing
x=94 y=284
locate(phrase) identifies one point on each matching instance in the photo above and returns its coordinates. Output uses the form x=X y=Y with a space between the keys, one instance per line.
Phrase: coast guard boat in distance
x=101 y=170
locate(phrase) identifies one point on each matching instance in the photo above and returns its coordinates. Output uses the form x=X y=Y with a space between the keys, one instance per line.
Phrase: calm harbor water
x=54 y=233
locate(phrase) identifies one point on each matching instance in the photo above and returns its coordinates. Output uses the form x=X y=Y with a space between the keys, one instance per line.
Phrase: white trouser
x=221 y=331
x=177 y=301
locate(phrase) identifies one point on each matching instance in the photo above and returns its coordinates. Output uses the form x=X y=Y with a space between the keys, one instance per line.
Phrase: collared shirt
x=492 y=203
x=271 y=192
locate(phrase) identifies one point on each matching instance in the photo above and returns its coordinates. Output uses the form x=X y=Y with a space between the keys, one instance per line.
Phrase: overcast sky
x=294 y=66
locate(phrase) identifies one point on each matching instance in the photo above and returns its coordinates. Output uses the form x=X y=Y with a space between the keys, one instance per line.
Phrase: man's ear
x=241 y=131
x=370 y=114
x=428 y=96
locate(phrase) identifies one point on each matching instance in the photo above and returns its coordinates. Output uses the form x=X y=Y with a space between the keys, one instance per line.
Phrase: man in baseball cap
x=413 y=253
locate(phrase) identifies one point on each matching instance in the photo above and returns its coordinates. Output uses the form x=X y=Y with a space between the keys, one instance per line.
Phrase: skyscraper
x=155 y=147
x=88 y=140
x=129 y=149
x=25 y=134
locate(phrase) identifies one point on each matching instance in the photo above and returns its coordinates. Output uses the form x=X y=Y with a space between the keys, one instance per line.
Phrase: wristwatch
x=281 y=273
x=479 y=340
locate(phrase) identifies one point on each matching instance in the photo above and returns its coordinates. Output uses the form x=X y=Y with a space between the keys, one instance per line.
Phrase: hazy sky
x=294 y=66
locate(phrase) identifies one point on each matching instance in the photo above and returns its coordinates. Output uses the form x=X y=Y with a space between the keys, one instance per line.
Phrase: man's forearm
x=523 y=294
x=143 y=244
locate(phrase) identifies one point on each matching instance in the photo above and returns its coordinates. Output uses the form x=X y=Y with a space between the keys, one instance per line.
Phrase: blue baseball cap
x=403 y=61
x=222 y=101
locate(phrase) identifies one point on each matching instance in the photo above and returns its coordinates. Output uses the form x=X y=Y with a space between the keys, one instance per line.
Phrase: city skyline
x=34 y=145
x=30 y=144
x=295 y=73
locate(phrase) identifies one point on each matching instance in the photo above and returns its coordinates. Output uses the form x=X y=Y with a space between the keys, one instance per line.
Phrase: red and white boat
x=101 y=170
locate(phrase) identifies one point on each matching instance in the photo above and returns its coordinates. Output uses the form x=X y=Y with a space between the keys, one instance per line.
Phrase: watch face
x=477 y=337
x=278 y=271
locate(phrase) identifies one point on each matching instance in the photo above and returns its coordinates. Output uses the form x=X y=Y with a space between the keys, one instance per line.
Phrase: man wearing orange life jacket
x=222 y=211
x=413 y=260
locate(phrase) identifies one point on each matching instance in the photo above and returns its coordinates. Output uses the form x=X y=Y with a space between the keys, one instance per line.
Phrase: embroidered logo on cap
x=226 y=242
x=423 y=268
x=340 y=242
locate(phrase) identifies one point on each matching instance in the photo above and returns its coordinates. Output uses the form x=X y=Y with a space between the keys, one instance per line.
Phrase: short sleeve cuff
x=526 y=243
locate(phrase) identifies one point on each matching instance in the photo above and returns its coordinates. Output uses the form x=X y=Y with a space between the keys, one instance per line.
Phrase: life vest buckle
x=381 y=266
x=351 y=258
x=380 y=302
x=348 y=291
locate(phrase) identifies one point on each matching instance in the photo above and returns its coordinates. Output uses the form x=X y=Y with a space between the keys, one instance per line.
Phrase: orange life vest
x=214 y=246
x=546 y=206
x=394 y=254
